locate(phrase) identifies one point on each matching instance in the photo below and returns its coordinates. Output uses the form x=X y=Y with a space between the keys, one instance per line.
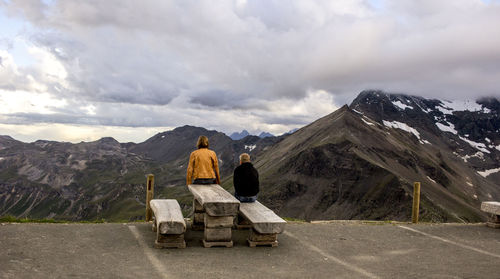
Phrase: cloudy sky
x=80 y=70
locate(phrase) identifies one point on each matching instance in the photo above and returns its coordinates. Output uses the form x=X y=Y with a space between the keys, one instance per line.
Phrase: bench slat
x=263 y=219
x=168 y=216
x=215 y=200
x=491 y=207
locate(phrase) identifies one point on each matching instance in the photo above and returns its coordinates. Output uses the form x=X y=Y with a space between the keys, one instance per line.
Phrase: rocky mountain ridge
x=103 y=179
x=471 y=129
x=245 y=133
x=359 y=162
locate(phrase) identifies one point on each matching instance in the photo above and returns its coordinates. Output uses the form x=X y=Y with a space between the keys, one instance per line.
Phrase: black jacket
x=246 y=180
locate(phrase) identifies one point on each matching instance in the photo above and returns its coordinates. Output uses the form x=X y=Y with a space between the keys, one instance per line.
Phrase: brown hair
x=202 y=142
x=244 y=158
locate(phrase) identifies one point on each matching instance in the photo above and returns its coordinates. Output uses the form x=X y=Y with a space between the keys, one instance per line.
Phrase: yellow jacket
x=203 y=164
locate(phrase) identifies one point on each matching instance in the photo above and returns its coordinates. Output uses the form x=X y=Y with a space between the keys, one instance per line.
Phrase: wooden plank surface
x=168 y=216
x=263 y=219
x=215 y=200
x=491 y=207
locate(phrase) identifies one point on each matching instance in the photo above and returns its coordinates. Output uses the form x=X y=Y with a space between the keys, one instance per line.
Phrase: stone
x=168 y=216
x=219 y=234
x=262 y=243
x=215 y=200
x=259 y=237
x=209 y=244
x=170 y=241
x=263 y=219
x=218 y=222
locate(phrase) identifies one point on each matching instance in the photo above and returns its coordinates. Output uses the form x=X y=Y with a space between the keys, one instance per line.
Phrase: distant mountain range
x=359 y=162
x=245 y=133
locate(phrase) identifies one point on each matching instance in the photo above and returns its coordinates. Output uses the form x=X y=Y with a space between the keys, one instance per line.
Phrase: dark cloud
x=191 y=58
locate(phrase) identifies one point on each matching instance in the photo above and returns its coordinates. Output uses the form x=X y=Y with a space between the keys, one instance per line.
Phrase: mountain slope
x=105 y=179
x=471 y=130
x=348 y=165
x=359 y=162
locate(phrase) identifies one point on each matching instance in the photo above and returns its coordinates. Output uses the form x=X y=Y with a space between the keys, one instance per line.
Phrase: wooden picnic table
x=214 y=211
x=215 y=200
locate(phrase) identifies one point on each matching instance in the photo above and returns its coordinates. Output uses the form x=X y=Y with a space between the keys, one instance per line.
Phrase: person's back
x=246 y=180
x=203 y=166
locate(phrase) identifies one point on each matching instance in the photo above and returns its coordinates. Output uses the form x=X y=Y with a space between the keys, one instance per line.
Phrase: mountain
x=265 y=135
x=360 y=162
x=48 y=179
x=105 y=178
x=291 y=131
x=238 y=136
x=470 y=129
x=245 y=133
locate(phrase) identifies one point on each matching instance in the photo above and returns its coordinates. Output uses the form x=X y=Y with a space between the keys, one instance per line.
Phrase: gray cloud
x=238 y=55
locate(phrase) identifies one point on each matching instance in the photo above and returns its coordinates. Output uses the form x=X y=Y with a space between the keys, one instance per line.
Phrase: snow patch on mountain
x=427 y=110
x=478 y=154
x=450 y=128
x=250 y=147
x=400 y=105
x=448 y=107
x=463 y=105
x=402 y=126
x=477 y=145
x=369 y=123
x=488 y=172
x=432 y=180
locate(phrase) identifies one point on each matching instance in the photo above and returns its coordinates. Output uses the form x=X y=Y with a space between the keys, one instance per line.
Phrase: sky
x=81 y=70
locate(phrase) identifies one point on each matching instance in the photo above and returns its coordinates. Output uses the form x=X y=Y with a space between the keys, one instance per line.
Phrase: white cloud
x=243 y=64
x=77 y=133
x=29 y=102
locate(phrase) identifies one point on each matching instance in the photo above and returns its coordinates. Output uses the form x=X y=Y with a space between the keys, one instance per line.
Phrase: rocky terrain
x=105 y=178
x=359 y=162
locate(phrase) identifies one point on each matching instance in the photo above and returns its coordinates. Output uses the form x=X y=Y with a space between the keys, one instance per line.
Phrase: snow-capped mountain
x=360 y=162
x=471 y=129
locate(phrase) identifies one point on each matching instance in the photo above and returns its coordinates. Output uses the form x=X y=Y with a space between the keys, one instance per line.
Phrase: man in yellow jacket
x=203 y=165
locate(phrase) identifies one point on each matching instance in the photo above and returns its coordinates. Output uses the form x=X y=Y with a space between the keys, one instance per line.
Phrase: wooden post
x=150 y=190
x=416 y=202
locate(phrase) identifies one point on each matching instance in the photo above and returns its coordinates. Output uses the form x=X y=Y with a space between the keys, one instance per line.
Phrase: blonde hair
x=244 y=158
x=202 y=142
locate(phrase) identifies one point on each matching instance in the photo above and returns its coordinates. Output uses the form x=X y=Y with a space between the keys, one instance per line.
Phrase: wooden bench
x=214 y=212
x=494 y=209
x=168 y=224
x=266 y=225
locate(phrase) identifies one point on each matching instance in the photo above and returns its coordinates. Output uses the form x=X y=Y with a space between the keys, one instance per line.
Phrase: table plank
x=215 y=200
x=263 y=219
